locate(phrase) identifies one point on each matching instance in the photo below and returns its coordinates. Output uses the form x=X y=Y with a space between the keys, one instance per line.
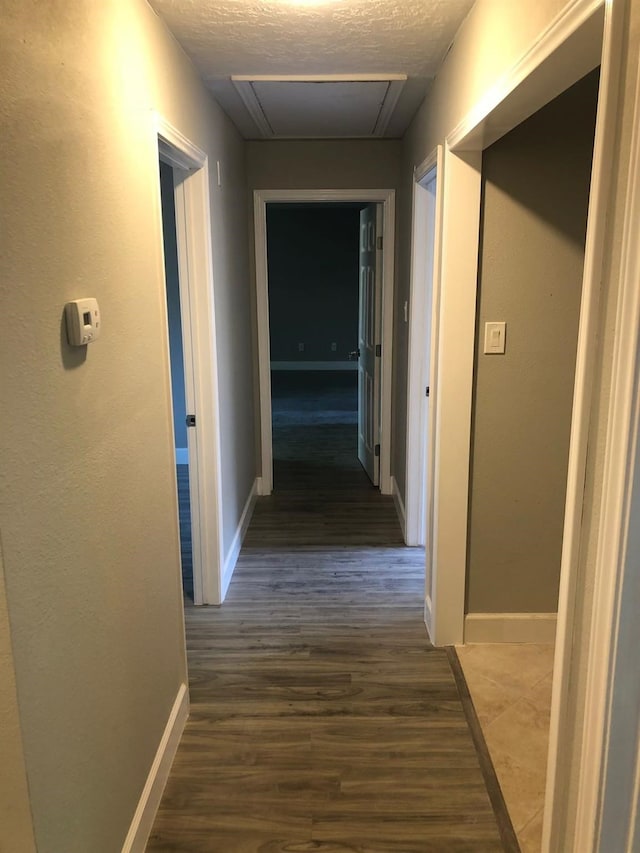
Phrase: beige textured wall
x=493 y=37
x=324 y=164
x=16 y=831
x=535 y=198
x=87 y=501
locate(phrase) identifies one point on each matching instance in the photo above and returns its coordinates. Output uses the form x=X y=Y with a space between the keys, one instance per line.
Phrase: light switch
x=494 y=338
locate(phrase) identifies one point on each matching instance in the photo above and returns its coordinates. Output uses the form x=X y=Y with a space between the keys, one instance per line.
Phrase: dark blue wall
x=173 y=303
x=313 y=281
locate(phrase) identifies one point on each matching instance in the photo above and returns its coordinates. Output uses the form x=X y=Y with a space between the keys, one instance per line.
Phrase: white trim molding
x=138 y=835
x=236 y=545
x=399 y=505
x=560 y=768
x=562 y=54
x=195 y=264
x=315 y=365
x=386 y=198
x=510 y=627
x=577 y=26
x=606 y=814
x=424 y=306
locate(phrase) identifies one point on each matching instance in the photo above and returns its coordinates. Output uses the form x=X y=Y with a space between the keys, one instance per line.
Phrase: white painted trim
x=318 y=78
x=399 y=505
x=510 y=627
x=138 y=835
x=182 y=455
x=559 y=769
x=428 y=616
x=605 y=814
x=385 y=197
x=260 y=487
x=236 y=544
x=249 y=98
x=470 y=133
x=315 y=365
x=419 y=456
x=453 y=381
x=195 y=262
x=391 y=98
x=525 y=90
x=422 y=169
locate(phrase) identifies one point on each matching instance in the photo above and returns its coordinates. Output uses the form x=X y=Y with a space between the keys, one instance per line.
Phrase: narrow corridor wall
x=88 y=501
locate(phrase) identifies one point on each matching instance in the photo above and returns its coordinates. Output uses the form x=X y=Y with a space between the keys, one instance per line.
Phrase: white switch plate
x=494 y=338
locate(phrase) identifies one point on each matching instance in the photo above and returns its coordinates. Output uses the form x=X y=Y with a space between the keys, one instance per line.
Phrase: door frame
x=421 y=457
x=569 y=48
x=195 y=273
x=583 y=31
x=607 y=803
x=261 y=198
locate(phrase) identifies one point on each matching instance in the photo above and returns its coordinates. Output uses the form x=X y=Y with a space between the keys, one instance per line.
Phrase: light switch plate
x=494 y=338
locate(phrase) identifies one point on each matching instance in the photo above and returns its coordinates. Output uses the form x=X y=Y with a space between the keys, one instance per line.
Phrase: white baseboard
x=138 y=835
x=510 y=627
x=314 y=365
x=182 y=455
x=397 y=499
x=232 y=555
x=428 y=617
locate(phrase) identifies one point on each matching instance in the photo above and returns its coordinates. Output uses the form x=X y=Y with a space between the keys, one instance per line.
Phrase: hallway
x=321 y=718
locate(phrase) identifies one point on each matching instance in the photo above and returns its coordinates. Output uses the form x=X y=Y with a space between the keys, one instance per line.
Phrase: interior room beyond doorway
x=313 y=328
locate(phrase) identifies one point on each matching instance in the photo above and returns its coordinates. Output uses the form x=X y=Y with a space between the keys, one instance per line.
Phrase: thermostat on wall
x=83 y=321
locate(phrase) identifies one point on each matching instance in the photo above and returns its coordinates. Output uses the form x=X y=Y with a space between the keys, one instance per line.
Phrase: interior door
x=431 y=308
x=368 y=350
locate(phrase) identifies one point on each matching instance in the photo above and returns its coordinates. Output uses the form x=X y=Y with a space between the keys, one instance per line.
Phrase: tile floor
x=510 y=685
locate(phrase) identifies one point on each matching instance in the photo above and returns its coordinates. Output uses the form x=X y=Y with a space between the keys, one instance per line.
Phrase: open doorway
x=184 y=215
x=177 y=363
x=312 y=254
x=422 y=310
x=535 y=198
x=368 y=351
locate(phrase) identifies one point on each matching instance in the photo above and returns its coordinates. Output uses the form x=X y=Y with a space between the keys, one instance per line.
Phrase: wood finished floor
x=321 y=718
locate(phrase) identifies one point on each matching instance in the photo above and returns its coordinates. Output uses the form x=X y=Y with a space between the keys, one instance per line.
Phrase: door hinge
x=378 y=350
x=376 y=450
x=191 y=420
x=427 y=391
x=379 y=244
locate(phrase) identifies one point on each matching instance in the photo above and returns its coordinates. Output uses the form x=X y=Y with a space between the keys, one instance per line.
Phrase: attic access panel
x=316 y=108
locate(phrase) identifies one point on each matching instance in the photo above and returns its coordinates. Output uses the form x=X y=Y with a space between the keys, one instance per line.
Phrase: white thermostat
x=83 y=321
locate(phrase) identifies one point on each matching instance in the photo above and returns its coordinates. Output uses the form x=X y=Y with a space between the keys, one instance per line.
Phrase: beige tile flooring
x=510 y=684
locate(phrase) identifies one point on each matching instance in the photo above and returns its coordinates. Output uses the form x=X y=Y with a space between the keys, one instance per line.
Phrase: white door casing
x=424 y=302
x=368 y=338
x=195 y=268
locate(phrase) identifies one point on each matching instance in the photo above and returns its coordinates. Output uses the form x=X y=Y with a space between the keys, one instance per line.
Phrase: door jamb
x=419 y=456
x=261 y=198
x=543 y=72
x=195 y=262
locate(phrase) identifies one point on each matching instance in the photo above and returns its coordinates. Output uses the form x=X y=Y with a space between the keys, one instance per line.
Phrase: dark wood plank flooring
x=321 y=718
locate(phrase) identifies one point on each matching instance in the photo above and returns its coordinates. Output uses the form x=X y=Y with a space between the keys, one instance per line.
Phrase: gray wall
x=494 y=36
x=173 y=305
x=313 y=281
x=87 y=498
x=535 y=197
x=328 y=164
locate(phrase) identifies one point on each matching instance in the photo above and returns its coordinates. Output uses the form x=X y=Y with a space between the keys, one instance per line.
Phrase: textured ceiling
x=260 y=37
